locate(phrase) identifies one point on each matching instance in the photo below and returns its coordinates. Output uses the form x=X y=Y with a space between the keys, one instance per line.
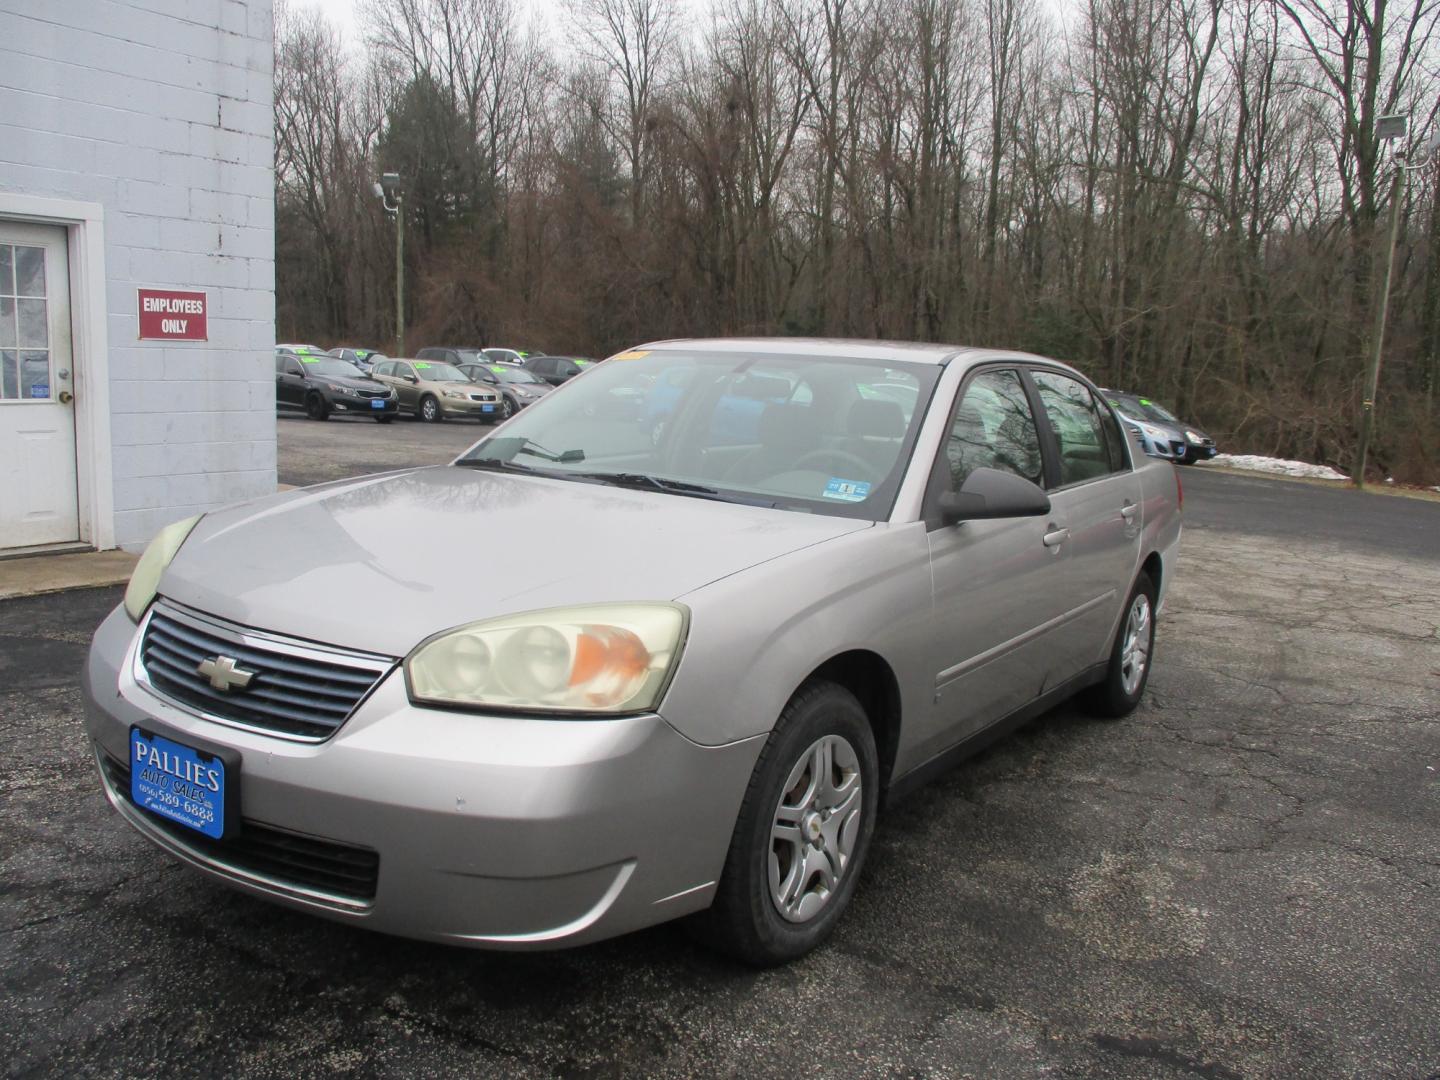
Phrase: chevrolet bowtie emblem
x=224 y=675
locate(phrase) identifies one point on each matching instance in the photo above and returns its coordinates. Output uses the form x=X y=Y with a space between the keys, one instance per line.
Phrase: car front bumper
x=467 y=407
x=489 y=831
x=363 y=406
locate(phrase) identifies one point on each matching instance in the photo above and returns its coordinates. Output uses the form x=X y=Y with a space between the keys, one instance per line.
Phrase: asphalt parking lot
x=1240 y=880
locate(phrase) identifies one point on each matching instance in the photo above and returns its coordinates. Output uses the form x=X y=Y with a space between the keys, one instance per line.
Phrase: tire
x=1121 y=690
x=315 y=407
x=383 y=419
x=507 y=410
x=430 y=410
x=749 y=920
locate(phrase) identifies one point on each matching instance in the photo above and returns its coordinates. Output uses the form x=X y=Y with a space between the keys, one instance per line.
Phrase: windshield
x=321 y=365
x=513 y=374
x=434 y=371
x=1138 y=408
x=823 y=434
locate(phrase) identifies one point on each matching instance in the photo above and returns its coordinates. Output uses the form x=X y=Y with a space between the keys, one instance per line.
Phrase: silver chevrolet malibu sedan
x=769 y=585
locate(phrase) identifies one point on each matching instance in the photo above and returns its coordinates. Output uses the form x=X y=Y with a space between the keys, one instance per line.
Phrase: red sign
x=173 y=316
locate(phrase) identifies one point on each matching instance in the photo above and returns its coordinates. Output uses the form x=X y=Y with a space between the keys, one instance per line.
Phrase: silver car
x=833 y=569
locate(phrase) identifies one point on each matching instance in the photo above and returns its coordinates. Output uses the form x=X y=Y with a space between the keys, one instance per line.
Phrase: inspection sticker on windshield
x=847 y=490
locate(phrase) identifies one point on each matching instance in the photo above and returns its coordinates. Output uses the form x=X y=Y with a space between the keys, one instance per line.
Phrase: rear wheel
x=802 y=832
x=430 y=410
x=315 y=407
x=1130 y=656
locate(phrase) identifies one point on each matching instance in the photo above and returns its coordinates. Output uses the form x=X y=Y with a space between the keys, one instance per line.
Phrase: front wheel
x=315 y=407
x=1130 y=656
x=802 y=832
x=507 y=409
x=430 y=410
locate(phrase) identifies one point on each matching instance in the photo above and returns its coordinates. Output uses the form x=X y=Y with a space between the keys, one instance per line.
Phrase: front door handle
x=1056 y=537
x=1128 y=512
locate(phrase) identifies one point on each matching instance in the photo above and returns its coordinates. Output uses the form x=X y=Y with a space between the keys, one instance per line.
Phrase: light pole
x=1386 y=129
x=389 y=187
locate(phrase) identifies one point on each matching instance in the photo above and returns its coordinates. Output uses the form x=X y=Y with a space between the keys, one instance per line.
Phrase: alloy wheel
x=1135 y=652
x=817 y=821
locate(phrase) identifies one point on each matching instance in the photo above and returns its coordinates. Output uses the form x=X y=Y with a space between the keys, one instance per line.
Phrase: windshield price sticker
x=422 y=367
x=309 y=359
x=847 y=490
x=634 y=354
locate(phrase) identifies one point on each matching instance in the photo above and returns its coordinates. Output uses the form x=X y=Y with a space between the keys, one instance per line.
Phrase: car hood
x=380 y=563
x=346 y=380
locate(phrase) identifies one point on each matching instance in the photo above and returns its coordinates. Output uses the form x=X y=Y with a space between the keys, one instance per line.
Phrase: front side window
x=994 y=429
x=1087 y=449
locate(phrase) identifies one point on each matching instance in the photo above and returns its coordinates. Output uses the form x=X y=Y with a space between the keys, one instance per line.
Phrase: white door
x=38 y=495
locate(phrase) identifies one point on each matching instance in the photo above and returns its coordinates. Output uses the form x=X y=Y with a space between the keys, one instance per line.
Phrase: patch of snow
x=1257 y=463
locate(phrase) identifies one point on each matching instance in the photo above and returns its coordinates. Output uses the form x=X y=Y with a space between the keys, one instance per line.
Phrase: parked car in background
x=509 y=356
x=363 y=359
x=557 y=370
x=435 y=391
x=320 y=385
x=1160 y=432
x=302 y=349
x=518 y=387
x=760 y=646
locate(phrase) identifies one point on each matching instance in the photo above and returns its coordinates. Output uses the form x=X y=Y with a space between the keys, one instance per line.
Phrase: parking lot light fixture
x=390 y=188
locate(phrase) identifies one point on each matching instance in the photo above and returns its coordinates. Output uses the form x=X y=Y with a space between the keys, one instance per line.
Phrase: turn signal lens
x=602 y=658
x=145 y=578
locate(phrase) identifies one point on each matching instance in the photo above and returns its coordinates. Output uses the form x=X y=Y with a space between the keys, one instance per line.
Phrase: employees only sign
x=168 y=315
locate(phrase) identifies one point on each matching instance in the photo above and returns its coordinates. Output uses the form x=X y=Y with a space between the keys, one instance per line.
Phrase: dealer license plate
x=178 y=782
x=487 y=408
x=377 y=403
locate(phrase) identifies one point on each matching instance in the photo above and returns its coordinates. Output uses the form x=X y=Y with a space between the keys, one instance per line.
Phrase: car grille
x=296 y=690
x=373 y=393
x=288 y=858
x=482 y=397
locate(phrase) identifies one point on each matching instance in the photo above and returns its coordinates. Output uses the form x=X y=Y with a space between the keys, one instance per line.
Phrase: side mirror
x=410 y=378
x=993 y=493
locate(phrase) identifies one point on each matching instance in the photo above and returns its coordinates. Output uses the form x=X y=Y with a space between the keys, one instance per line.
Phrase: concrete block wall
x=161 y=110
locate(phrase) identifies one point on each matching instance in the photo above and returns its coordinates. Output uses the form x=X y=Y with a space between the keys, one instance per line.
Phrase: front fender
x=756 y=635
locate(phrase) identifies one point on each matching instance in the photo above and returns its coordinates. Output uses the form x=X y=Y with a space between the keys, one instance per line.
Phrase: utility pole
x=390 y=187
x=1377 y=332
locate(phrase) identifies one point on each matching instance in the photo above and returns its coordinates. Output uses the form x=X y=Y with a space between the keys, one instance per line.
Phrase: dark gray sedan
x=834 y=569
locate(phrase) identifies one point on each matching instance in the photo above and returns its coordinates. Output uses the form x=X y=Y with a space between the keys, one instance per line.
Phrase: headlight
x=1194 y=438
x=453 y=394
x=145 y=579
x=348 y=391
x=602 y=658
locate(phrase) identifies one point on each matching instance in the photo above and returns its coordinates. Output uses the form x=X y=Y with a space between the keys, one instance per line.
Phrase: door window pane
x=994 y=429
x=29 y=271
x=1084 y=449
x=7 y=270
x=33 y=329
x=7 y=322
x=9 y=374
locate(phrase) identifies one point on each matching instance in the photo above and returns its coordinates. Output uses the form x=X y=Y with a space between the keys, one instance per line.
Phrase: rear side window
x=1087 y=447
x=994 y=429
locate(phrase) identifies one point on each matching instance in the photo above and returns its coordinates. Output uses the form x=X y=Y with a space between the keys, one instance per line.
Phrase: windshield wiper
x=498 y=465
x=660 y=483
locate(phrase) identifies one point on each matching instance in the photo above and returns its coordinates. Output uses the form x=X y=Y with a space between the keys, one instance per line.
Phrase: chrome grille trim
x=303 y=692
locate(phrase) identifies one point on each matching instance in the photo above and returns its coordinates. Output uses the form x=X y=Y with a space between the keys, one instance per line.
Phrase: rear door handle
x=1128 y=511
x=1057 y=537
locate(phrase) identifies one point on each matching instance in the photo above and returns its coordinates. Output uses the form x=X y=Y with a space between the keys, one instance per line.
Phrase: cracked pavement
x=1240 y=880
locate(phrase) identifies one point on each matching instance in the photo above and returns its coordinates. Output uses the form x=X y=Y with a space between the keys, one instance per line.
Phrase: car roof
x=914 y=352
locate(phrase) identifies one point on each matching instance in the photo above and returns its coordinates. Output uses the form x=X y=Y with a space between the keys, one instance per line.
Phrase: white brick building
x=136 y=152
